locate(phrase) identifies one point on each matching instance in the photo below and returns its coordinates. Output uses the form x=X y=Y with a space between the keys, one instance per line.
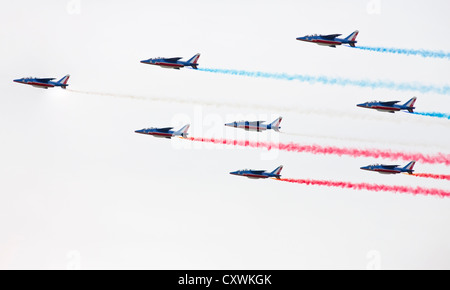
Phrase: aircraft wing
x=257 y=171
x=167 y=129
x=330 y=36
x=173 y=59
x=389 y=103
x=390 y=166
x=256 y=122
x=45 y=80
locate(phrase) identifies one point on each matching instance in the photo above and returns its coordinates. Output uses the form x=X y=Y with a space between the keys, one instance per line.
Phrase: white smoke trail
x=381 y=117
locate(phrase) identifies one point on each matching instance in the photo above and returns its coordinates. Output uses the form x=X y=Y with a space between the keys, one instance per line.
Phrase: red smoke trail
x=372 y=187
x=435 y=176
x=326 y=150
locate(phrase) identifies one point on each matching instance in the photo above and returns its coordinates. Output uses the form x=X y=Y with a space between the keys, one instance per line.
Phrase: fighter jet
x=173 y=62
x=390 y=169
x=331 y=40
x=257 y=174
x=165 y=132
x=256 y=125
x=44 y=83
x=390 y=107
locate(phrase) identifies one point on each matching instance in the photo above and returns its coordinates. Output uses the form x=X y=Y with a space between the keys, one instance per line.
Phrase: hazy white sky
x=79 y=189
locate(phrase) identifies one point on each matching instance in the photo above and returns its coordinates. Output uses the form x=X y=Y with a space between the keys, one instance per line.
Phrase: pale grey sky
x=79 y=189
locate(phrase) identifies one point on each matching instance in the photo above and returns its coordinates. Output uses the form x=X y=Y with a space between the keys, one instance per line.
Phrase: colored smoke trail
x=366 y=140
x=372 y=187
x=416 y=52
x=434 y=114
x=332 y=150
x=417 y=87
x=434 y=176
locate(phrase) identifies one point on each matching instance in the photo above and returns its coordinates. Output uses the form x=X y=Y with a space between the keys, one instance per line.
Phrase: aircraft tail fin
x=277 y=171
x=193 y=60
x=183 y=131
x=352 y=38
x=410 y=105
x=275 y=125
x=63 y=81
x=409 y=167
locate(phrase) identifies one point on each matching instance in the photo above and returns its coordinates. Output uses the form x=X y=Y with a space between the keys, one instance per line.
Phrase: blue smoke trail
x=417 y=87
x=417 y=52
x=434 y=114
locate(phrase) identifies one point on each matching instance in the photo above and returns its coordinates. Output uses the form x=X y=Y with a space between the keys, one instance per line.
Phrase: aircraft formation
x=330 y=40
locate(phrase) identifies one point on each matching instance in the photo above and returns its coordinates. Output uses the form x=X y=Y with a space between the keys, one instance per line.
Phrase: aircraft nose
x=139 y=131
x=300 y=38
x=234 y=173
x=365 y=168
x=144 y=61
x=229 y=124
x=361 y=105
x=17 y=80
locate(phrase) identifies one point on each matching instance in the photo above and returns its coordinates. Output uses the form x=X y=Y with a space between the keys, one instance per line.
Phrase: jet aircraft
x=257 y=125
x=390 y=107
x=331 y=40
x=173 y=62
x=257 y=174
x=165 y=132
x=44 y=83
x=390 y=169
